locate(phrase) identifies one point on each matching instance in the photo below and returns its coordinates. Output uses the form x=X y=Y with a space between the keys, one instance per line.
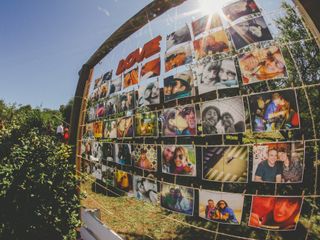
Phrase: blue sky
x=44 y=43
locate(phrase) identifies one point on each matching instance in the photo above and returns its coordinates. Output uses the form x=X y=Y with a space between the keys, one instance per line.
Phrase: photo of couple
x=179 y=160
x=278 y=162
x=221 y=207
x=179 y=199
x=125 y=127
x=148 y=94
x=146 y=124
x=180 y=36
x=179 y=121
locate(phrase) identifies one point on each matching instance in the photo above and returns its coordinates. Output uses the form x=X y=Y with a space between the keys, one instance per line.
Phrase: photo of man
x=178 y=86
x=225 y=164
x=123 y=154
x=240 y=9
x=206 y=23
x=262 y=64
x=274 y=111
x=131 y=78
x=150 y=69
x=146 y=124
x=223 y=116
x=213 y=43
x=212 y=75
x=145 y=156
x=148 y=94
x=250 y=31
x=182 y=35
x=125 y=127
x=145 y=189
x=177 y=198
x=281 y=162
x=280 y=213
x=178 y=57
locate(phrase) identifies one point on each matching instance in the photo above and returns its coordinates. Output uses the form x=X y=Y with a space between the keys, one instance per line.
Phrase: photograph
x=100 y=110
x=96 y=171
x=110 y=129
x=148 y=94
x=97 y=83
x=123 y=181
x=275 y=213
x=96 y=151
x=91 y=114
x=123 y=153
x=179 y=121
x=104 y=90
x=180 y=36
x=150 y=69
x=88 y=131
x=225 y=163
x=213 y=43
x=221 y=207
x=250 y=31
x=108 y=175
x=179 y=85
x=145 y=156
x=240 y=8
x=125 y=127
x=274 y=111
x=111 y=105
x=146 y=124
x=206 y=23
x=178 y=57
x=179 y=160
x=145 y=188
x=108 y=151
x=177 y=198
x=281 y=162
x=131 y=78
x=98 y=129
x=115 y=85
x=126 y=101
x=262 y=64
x=107 y=76
x=215 y=74
x=86 y=149
x=223 y=116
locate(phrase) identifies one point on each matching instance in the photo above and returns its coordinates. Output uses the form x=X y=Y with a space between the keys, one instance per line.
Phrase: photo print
x=215 y=74
x=131 y=78
x=277 y=213
x=213 y=43
x=240 y=8
x=145 y=189
x=115 y=85
x=180 y=36
x=98 y=129
x=178 y=160
x=177 y=198
x=100 y=110
x=250 y=31
x=273 y=111
x=110 y=129
x=86 y=149
x=108 y=152
x=96 y=150
x=148 y=94
x=146 y=124
x=97 y=83
x=126 y=101
x=91 y=114
x=225 y=163
x=145 y=156
x=178 y=57
x=125 y=127
x=96 y=171
x=223 y=116
x=281 y=162
x=262 y=64
x=123 y=181
x=205 y=23
x=221 y=207
x=104 y=90
x=107 y=76
x=88 y=132
x=150 y=69
x=179 y=121
x=111 y=105
x=178 y=86
x=123 y=153
x=95 y=94
x=108 y=175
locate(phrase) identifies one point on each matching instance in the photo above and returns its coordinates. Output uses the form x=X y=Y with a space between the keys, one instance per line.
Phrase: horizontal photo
x=150 y=69
x=179 y=36
x=205 y=23
x=146 y=124
x=145 y=189
x=178 y=57
x=148 y=94
x=240 y=9
x=145 y=156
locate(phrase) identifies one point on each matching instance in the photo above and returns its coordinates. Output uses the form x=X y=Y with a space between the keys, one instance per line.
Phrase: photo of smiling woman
x=275 y=213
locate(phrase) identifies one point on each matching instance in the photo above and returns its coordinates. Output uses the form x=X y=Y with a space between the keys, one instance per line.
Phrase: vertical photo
x=178 y=57
x=180 y=36
x=100 y=110
x=104 y=90
x=108 y=152
x=150 y=69
x=212 y=75
x=126 y=102
x=110 y=129
x=123 y=153
x=277 y=213
x=131 y=78
x=179 y=160
x=146 y=124
x=97 y=83
x=98 y=129
x=177 y=198
x=108 y=175
x=107 y=77
x=281 y=162
x=88 y=131
x=179 y=85
x=250 y=31
x=111 y=105
x=145 y=156
x=123 y=181
x=148 y=94
x=223 y=116
x=125 y=127
x=274 y=111
x=225 y=163
x=221 y=207
x=262 y=64
x=145 y=188
x=206 y=23
x=96 y=151
x=240 y=9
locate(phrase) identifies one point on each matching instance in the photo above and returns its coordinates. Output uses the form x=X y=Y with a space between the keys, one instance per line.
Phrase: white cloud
x=105 y=11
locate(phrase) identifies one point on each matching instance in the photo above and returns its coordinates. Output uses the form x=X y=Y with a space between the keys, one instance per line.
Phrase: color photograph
x=221 y=207
x=281 y=162
x=179 y=160
x=104 y=90
x=148 y=94
x=123 y=153
x=98 y=129
x=205 y=23
x=100 y=110
x=145 y=189
x=274 y=111
x=223 y=116
x=123 y=181
x=125 y=127
x=225 y=163
x=97 y=83
x=275 y=213
x=178 y=57
x=240 y=9
x=111 y=105
x=88 y=131
x=150 y=69
x=180 y=36
x=126 y=101
x=145 y=156
x=262 y=64
x=177 y=198
x=108 y=175
x=146 y=124
x=131 y=78
x=107 y=77
x=110 y=129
